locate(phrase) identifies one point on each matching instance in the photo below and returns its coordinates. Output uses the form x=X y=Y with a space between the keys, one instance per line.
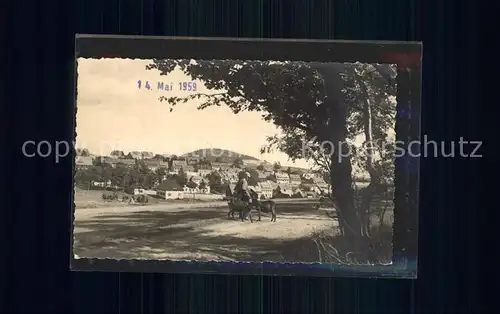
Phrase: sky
x=114 y=114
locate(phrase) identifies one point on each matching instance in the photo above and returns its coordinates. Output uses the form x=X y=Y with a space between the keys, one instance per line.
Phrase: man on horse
x=241 y=190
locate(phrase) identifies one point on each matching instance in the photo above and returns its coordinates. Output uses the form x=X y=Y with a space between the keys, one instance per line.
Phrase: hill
x=217 y=154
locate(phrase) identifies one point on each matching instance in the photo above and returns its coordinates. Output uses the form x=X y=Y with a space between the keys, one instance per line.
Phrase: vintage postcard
x=245 y=161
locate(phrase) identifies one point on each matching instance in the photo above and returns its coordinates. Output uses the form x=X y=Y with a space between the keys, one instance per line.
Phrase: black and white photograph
x=235 y=160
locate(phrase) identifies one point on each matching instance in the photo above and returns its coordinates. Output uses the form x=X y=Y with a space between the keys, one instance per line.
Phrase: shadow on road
x=179 y=236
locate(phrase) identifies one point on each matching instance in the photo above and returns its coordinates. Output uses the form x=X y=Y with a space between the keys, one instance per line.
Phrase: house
x=256 y=189
x=266 y=189
x=230 y=175
x=125 y=162
x=272 y=184
x=152 y=164
x=82 y=152
x=262 y=175
x=117 y=154
x=189 y=168
x=102 y=184
x=295 y=180
x=141 y=191
x=83 y=162
x=281 y=177
x=196 y=179
x=147 y=155
x=298 y=193
x=170 y=190
x=220 y=165
x=163 y=164
x=204 y=169
x=191 y=188
x=177 y=165
x=192 y=160
x=108 y=160
x=320 y=184
x=307 y=176
x=134 y=155
x=283 y=191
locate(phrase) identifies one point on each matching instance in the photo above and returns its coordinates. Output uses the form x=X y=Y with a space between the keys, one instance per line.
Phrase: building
x=220 y=165
x=307 y=176
x=191 y=188
x=102 y=184
x=189 y=168
x=273 y=184
x=117 y=154
x=192 y=160
x=283 y=191
x=204 y=169
x=295 y=180
x=125 y=162
x=152 y=164
x=177 y=165
x=262 y=175
x=230 y=175
x=134 y=155
x=298 y=193
x=281 y=177
x=319 y=185
x=170 y=190
x=256 y=189
x=147 y=155
x=266 y=189
x=108 y=160
x=196 y=179
x=83 y=162
x=140 y=191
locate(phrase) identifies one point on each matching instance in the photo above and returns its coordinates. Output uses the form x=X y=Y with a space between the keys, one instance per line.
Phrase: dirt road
x=195 y=233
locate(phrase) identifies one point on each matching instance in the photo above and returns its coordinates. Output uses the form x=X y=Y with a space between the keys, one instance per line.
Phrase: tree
x=181 y=178
x=261 y=168
x=160 y=174
x=312 y=103
x=97 y=161
x=238 y=162
x=215 y=182
x=202 y=185
x=276 y=166
x=82 y=152
x=289 y=170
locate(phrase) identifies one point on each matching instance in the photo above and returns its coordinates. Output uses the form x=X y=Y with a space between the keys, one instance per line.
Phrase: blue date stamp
x=167 y=87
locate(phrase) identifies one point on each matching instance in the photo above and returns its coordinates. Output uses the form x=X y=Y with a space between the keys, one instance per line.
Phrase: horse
x=243 y=208
x=270 y=207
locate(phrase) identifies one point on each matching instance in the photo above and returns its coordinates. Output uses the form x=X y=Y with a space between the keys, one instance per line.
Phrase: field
x=93 y=199
x=199 y=232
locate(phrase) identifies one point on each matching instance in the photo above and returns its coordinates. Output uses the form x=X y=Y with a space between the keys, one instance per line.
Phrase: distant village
x=268 y=180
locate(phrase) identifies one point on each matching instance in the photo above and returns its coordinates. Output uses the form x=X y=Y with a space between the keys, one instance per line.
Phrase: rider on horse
x=241 y=189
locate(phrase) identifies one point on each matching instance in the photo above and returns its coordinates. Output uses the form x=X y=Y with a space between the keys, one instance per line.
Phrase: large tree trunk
x=340 y=160
x=367 y=195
